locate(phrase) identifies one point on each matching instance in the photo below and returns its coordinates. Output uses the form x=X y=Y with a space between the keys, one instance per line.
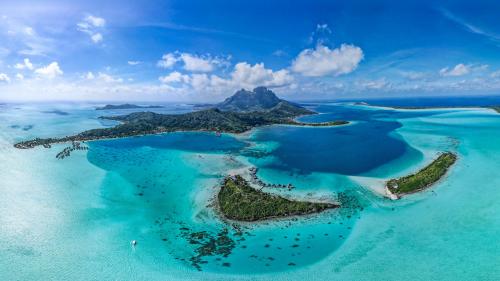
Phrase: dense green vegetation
x=239 y=201
x=322 y=124
x=143 y=123
x=259 y=99
x=214 y=119
x=496 y=108
x=423 y=178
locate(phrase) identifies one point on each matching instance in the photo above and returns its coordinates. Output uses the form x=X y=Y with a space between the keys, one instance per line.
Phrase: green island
x=496 y=108
x=237 y=200
x=231 y=116
x=321 y=124
x=423 y=178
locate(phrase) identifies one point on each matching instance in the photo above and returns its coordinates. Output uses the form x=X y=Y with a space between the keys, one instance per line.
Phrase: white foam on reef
x=376 y=185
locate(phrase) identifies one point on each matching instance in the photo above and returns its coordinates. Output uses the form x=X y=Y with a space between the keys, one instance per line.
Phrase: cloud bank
x=323 y=61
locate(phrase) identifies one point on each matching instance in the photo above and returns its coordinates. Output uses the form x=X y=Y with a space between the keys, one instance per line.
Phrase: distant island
x=237 y=200
x=494 y=107
x=423 y=178
x=126 y=106
x=321 y=124
x=58 y=112
x=242 y=112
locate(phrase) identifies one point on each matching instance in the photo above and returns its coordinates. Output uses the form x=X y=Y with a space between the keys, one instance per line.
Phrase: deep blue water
x=350 y=150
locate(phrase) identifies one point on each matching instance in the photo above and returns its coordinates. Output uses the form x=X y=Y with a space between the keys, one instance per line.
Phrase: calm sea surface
x=74 y=218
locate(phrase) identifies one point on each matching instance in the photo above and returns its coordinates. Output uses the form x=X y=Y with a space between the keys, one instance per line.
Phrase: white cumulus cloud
x=198 y=64
x=102 y=77
x=50 y=71
x=26 y=64
x=243 y=75
x=91 y=25
x=257 y=75
x=199 y=82
x=459 y=70
x=174 y=77
x=96 y=38
x=192 y=62
x=167 y=60
x=323 y=61
x=109 y=78
x=89 y=76
x=95 y=21
x=4 y=78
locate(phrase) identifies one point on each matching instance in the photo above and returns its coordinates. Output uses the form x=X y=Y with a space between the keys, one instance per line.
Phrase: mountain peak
x=261 y=98
x=262 y=89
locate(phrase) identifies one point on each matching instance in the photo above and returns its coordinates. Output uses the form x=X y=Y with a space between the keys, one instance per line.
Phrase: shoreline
x=254 y=205
x=63 y=140
x=411 y=108
x=393 y=183
x=246 y=172
x=28 y=144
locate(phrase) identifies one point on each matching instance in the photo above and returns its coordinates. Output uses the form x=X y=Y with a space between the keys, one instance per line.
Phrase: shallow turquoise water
x=75 y=218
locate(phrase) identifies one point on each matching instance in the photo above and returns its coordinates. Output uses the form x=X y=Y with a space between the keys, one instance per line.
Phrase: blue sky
x=205 y=50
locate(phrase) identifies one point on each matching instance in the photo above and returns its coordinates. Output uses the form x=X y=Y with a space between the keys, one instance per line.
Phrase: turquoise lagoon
x=75 y=218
